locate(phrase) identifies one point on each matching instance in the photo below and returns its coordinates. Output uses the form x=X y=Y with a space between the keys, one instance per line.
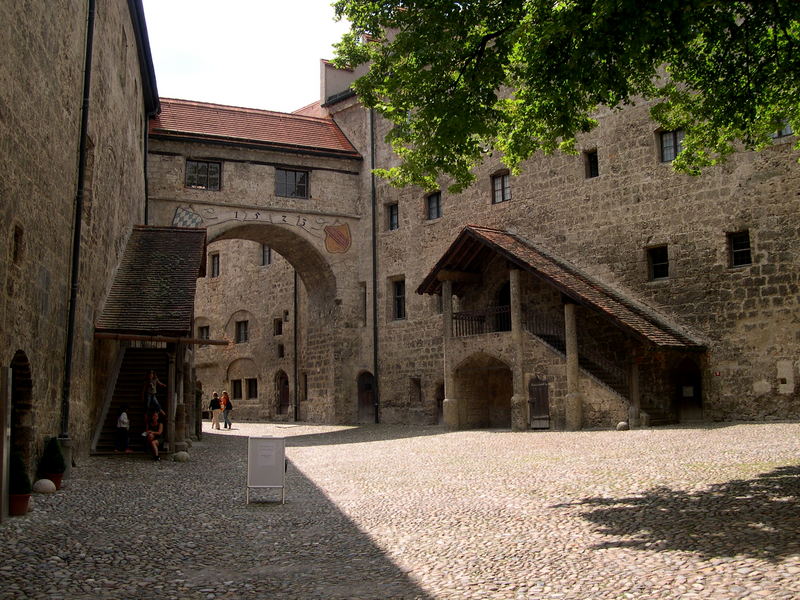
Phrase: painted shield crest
x=186 y=218
x=337 y=238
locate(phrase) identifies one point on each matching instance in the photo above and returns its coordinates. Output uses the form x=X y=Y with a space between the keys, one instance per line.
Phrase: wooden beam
x=99 y=335
x=448 y=275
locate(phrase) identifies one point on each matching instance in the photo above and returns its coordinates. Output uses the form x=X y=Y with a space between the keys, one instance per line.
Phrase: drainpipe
x=295 y=351
x=374 y=195
x=76 y=236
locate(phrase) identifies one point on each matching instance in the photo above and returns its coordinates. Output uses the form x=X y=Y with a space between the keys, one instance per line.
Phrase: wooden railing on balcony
x=478 y=322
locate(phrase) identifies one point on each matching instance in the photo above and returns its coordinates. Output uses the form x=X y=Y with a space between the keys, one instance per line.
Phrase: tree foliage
x=460 y=79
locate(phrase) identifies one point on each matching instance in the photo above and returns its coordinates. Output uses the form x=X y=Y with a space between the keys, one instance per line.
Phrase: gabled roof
x=250 y=127
x=475 y=245
x=153 y=291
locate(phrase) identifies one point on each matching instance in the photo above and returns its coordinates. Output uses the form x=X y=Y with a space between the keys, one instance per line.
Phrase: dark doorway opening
x=502 y=320
x=688 y=399
x=282 y=392
x=440 y=404
x=366 y=398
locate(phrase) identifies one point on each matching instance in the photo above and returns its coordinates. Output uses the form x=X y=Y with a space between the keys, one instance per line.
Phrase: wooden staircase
x=128 y=391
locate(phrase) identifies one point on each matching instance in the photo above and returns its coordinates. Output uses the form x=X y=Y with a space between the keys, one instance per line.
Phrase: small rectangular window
x=393 y=215
x=204 y=333
x=592 y=164
x=501 y=188
x=214 y=259
x=658 y=262
x=291 y=184
x=277 y=327
x=434 y=202
x=739 y=248
x=203 y=174
x=266 y=255
x=252 y=388
x=784 y=131
x=399 y=299
x=671 y=144
x=281 y=351
x=241 y=332
x=236 y=388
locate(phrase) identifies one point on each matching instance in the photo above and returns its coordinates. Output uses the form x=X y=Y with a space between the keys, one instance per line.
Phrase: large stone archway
x=319 y=249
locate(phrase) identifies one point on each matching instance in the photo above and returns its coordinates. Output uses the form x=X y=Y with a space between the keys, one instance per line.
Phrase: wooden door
x=539 y=404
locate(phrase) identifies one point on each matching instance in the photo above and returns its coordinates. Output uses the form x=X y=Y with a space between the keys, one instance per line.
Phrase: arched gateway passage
x=318 y=247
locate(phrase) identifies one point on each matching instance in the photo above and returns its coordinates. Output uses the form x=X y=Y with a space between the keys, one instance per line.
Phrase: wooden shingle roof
x=217 y=123
x=154 y=288
x=475 y=245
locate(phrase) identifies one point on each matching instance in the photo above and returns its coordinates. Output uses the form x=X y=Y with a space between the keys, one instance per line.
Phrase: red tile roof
x=153 y=291
x=474 y=243
x=250 y=126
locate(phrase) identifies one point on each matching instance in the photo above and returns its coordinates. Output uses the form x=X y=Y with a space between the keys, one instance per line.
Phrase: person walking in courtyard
x=151 y=393
x=153 y=433
x=215 y=407
x=227 y=407
x=123 y=428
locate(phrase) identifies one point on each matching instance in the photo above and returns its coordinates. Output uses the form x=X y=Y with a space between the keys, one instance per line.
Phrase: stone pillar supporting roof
x=475 y=245
x=154 y=288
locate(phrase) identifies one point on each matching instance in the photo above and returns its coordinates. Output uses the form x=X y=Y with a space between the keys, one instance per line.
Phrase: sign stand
x=266 y=464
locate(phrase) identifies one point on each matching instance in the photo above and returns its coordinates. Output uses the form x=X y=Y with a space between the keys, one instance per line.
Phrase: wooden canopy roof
x=475 y=246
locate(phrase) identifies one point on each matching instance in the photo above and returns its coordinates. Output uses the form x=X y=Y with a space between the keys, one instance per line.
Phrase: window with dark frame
x=739 y=248
x=399 y=299
x=434 y=205
x=236 y=389
x=266 y=255
x=291 y=184
x=658 y=262
x=784 y=131
x=592 y=164
x=204 y=333
x=252 y=388
x=393 y=216
x=241 y=332
x=277 y=327
x=203 y=174
x=671 y=144
x=501 y=188
x=214 y=259
x=281 y=351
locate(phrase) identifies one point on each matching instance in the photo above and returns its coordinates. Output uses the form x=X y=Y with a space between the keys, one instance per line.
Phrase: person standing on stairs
x=151 y=384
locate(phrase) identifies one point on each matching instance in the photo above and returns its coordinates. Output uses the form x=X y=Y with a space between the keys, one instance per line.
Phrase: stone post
x=635 y=401
x=519 y=403
x=5 y=437
x=171 y=403
x=574 y=404
x=450 y=404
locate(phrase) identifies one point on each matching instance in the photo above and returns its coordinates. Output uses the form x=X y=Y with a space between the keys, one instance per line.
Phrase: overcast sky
x=254 y=53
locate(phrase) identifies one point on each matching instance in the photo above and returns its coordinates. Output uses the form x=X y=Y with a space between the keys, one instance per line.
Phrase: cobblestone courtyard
x=402 y=512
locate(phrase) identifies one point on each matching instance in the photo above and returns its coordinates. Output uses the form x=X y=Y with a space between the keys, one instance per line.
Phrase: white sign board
x=266 y=464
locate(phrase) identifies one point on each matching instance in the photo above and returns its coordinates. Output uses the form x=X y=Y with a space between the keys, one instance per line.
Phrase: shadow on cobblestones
x=126 y=527
x=757 y=517
x=365 y=434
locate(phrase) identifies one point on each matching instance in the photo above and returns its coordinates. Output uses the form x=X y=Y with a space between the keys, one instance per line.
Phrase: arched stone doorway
x=22 y=415
x=688 y=393
x=483 y=386
x=282 y=399
x=366 y=398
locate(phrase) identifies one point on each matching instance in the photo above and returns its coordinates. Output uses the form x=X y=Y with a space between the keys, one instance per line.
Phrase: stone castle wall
x=40 y=103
